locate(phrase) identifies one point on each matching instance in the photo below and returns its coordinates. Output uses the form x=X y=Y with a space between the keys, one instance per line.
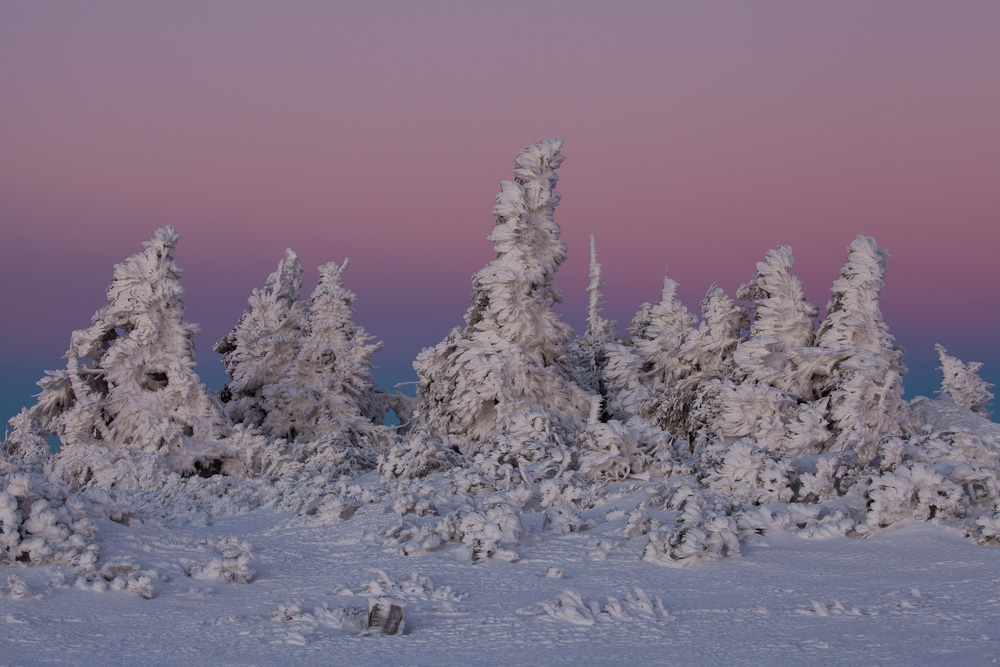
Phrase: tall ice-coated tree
x=588 y=352
x=507 y=364
x=866 y=403
x=261 y=348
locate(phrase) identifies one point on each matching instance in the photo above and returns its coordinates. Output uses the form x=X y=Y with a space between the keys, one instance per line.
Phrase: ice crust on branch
x=508 y=364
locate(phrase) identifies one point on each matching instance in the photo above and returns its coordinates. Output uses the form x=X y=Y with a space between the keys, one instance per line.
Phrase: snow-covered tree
x=261 y=348
x=778 y=350
x=329 y=390
x=508 y=363
x=780 y=309
x=587 y=352
x=751 y=378
x=129 y=380
x=651 y=375
x=961 y=382
x=866 y=403
x=718 y=334
x=25 y=443
x=658 y=331
x=597 y=326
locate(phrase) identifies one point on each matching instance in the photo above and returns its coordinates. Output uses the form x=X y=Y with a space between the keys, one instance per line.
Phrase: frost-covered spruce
x=507 y=365
x=588 y=353
x=961 y=382
x=769 y=377
x=25 y=445
x=129 y=385
x=866 y=403
x=780 y=309
x=261 y=348
x=778 y=351
x=645 y=374
x=710 y=346
x=683 y=408
x=625 y=395
x=658 y=331
x=329 y=391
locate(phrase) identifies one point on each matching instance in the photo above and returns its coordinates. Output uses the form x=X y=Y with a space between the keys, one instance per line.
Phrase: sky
x=699 y=134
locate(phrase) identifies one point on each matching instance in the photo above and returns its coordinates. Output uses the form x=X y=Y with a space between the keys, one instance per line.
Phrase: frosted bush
x=43 y=522
x=18 y=589
x=121 y=574
x=564 y=519
x=616 y=450
x=232 y=565
x=417 y=456
x=746 y=472
x=409 y=586
x=815 y=521
x=985 y=529
x=569 y=607
x=709 y=537
x=912 y=493
x=823 y=484
x=490 y=533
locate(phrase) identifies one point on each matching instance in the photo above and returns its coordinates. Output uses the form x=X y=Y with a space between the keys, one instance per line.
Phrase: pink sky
x=701 y=134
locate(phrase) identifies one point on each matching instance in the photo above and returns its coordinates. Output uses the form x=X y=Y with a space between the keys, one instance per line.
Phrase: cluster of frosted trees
x=512 y=384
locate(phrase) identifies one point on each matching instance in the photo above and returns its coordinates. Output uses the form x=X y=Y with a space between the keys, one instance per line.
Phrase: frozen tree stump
x=386 y=615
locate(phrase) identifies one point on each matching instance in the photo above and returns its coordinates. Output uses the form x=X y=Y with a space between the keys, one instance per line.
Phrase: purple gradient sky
x=701 y=134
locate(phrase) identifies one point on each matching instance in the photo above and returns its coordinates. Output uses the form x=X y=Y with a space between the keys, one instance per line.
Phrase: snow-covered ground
x=915 y=595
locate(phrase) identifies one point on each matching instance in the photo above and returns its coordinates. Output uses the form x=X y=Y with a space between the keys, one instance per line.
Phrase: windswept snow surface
x=918 y=595
x=921 y=594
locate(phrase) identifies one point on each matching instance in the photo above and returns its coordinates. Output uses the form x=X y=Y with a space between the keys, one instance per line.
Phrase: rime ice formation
x=679 y=445
x=301 y=370
x=658 y=331
x=328 y=391
x=261 y=348
x=129 y=394
x=961 y=382
x=867 y=402
x=588 y=353
x=505 y=371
